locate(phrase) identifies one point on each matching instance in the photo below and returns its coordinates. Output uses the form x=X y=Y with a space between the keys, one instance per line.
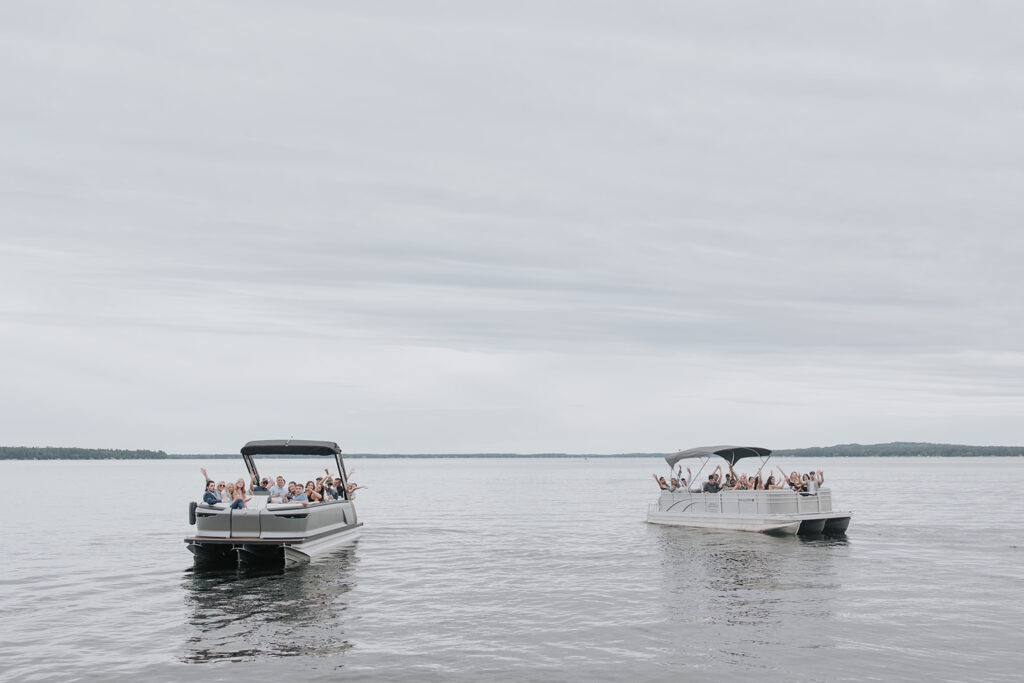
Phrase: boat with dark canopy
x=778 y=511
x=274 y=533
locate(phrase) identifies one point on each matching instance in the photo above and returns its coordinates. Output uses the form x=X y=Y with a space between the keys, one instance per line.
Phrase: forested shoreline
x=54 y=453
x=899 y=449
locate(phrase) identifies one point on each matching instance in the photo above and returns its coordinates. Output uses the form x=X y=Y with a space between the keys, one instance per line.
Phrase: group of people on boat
x=238 y=495
x=807 y=484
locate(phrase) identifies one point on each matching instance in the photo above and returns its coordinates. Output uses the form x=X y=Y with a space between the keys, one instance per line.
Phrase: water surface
x=525 y=569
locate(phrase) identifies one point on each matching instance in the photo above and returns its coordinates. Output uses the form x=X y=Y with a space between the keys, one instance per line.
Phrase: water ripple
x=531 y=570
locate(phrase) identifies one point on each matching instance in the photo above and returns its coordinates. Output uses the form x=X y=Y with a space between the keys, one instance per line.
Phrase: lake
x=522 y=569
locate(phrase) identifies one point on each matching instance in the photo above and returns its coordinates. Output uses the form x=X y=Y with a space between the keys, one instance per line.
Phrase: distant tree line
x=900 y=448
x=53 y=453
x=904 y=449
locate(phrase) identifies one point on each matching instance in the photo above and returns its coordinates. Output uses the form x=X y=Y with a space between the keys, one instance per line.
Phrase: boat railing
x=745 y=502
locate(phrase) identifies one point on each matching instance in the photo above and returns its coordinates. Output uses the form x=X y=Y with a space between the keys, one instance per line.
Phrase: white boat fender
x=192 y=512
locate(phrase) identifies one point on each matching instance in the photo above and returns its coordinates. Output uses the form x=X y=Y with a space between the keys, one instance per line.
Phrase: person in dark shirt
x=210 y=496
x=712 y=485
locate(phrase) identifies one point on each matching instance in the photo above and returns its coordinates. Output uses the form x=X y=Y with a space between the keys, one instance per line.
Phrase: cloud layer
x=446 y=227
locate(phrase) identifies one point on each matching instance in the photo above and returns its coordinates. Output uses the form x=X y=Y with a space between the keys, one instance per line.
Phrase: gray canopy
x=730 y=453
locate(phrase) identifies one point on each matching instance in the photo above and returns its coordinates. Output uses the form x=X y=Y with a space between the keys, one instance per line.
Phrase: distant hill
x=899 y=448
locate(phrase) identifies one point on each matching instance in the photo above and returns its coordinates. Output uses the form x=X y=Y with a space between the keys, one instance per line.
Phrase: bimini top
x=730 y=453
x=290 y=447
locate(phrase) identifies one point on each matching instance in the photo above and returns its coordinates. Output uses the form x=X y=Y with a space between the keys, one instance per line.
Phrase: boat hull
x=274 y=534
x=783 y=527
x=837 y=525
x=775 y=512
x=216 y=552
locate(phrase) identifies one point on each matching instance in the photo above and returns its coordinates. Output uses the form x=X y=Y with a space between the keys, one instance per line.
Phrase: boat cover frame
x=294 y=447
x=728 y=453
x=731 y=454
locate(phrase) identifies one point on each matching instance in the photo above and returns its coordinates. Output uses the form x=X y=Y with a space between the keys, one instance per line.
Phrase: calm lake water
x=531 y=570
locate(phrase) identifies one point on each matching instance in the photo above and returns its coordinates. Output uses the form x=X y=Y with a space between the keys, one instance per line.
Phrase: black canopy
x=290 y=447
x=730 y=453
x=294 y=447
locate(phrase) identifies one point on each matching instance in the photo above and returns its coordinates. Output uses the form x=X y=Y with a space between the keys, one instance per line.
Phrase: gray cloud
x=714 y=210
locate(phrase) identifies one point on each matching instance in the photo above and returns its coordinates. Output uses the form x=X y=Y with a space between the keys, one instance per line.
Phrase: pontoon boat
x=779 y=511
x=275 y=533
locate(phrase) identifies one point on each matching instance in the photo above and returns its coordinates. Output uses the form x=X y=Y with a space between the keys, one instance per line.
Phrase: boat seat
x=284 y=506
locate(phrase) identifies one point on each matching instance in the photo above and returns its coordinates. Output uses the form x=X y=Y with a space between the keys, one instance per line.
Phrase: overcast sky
x=510 y=227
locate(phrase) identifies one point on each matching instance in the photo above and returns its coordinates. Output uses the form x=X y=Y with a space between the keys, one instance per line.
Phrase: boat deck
x=242 y=539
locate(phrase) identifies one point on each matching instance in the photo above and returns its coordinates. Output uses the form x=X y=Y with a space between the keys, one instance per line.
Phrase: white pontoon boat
x=778 y=511
x=274 y=533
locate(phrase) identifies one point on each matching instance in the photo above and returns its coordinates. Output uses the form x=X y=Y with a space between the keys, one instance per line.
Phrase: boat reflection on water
x=733 y=579
x=257 y=613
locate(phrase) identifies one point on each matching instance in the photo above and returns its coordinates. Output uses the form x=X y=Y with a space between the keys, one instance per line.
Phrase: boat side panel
x=245 y=523
x=746 y=502
x=306 y=521
x=299 y=522
x=728 y=522
x=213 y=522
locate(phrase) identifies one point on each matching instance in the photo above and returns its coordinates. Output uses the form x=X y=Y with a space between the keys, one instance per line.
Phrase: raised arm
x=206 y=477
